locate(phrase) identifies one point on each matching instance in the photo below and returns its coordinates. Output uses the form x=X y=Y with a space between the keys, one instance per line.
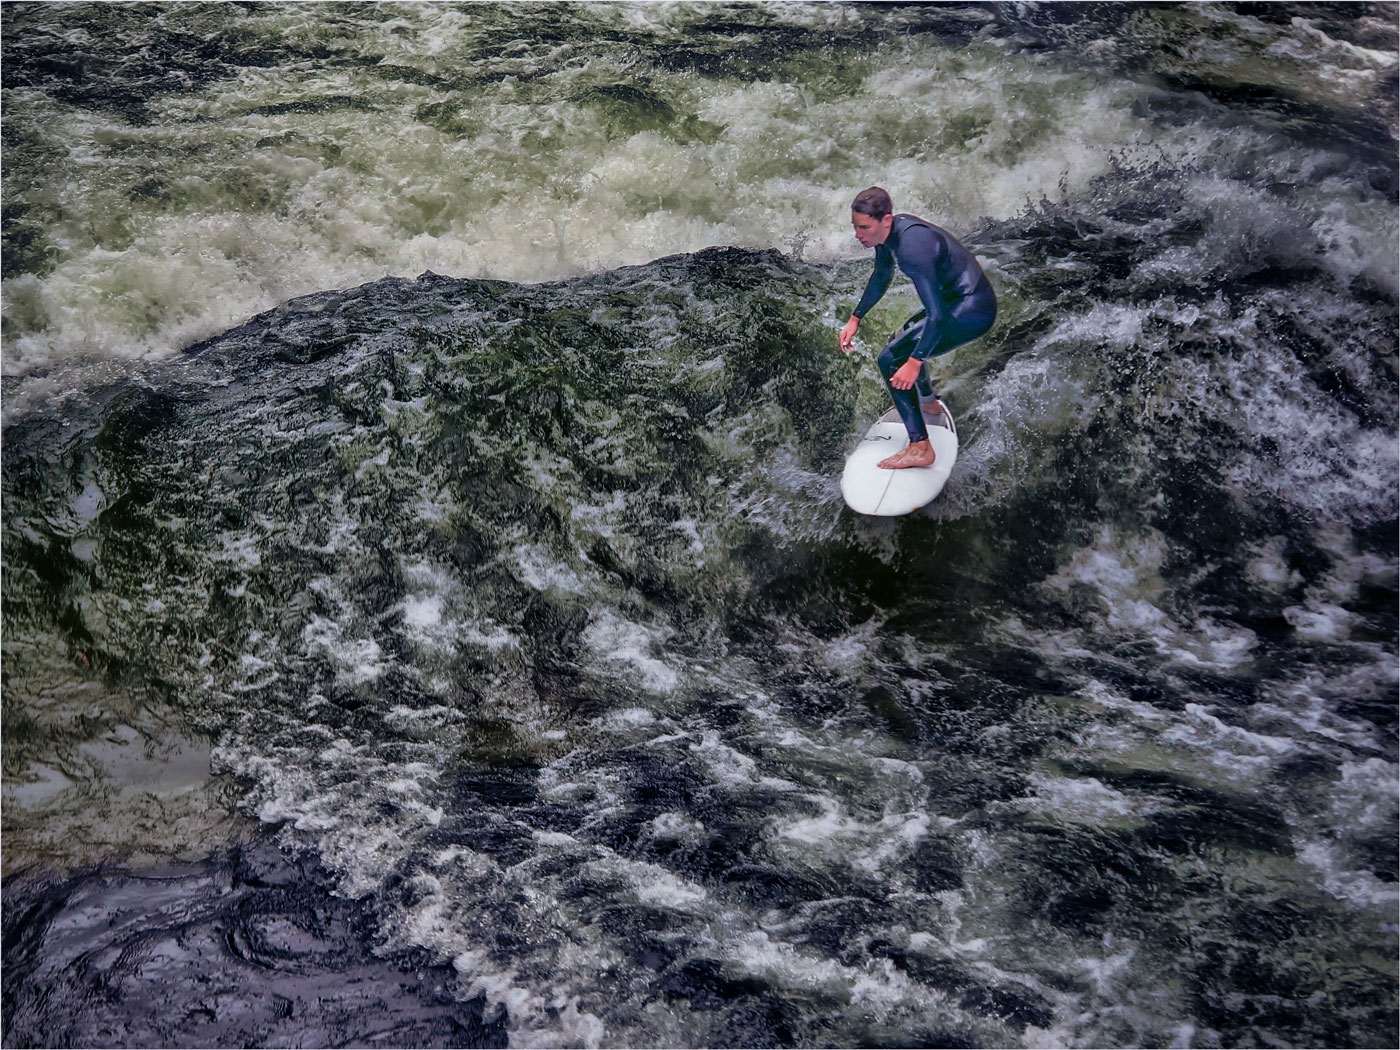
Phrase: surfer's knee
x=889 y=361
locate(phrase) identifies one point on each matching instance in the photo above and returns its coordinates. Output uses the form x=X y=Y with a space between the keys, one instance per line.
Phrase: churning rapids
x=489 y=659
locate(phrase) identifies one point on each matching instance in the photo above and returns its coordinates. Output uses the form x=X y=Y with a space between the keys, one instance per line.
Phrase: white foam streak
x=1329 y=463
x=1340 y=878
x=629 y=645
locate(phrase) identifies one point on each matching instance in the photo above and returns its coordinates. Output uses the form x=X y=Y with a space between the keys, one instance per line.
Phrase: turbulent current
x=431 y=616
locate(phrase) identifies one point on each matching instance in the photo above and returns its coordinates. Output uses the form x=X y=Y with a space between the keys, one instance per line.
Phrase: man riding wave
x=959 y=305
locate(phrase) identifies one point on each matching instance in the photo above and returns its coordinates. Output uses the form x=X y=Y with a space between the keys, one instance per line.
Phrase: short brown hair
x=874 y=202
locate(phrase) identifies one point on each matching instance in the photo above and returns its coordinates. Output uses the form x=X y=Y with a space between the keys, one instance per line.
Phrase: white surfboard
x=887 y=493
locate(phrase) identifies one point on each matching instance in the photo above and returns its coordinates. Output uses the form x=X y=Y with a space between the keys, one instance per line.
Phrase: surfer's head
x=871 y=216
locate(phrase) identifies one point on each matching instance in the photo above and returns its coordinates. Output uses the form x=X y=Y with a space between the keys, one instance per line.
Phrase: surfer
x=958 y=301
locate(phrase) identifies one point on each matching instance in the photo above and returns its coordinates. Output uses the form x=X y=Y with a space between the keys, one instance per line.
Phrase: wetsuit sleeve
x=926 y=253
x=878 y=283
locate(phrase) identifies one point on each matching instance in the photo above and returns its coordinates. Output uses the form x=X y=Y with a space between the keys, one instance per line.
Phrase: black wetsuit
x=959 y=305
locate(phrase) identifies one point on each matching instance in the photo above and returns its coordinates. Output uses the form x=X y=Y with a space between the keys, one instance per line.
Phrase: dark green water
x=507 y=629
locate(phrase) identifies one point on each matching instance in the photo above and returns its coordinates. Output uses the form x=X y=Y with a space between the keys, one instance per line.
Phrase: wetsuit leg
x=906 y=402
x=961 y=328
x=925 y=385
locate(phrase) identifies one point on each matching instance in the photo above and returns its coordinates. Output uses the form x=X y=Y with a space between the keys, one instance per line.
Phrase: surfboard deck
x=889 y=493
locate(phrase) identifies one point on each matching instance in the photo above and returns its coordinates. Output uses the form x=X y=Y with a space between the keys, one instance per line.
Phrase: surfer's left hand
x=907 y=374
x=848 y=334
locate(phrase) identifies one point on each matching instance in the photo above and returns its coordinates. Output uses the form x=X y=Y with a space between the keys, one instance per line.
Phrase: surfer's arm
x=874 y=288
x=878 y=284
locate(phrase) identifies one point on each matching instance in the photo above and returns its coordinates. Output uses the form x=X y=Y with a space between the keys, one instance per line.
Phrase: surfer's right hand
x=848 y=334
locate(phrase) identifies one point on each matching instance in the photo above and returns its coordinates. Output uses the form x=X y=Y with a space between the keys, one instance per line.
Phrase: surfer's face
x=871 y=231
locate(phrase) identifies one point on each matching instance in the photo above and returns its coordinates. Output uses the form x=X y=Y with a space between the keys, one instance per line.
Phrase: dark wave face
x=515 y=637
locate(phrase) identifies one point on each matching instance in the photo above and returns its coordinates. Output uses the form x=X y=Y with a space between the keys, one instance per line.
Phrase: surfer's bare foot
x=919 y=454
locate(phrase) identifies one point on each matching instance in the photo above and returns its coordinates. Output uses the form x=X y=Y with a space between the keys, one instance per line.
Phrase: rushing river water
x=431 y=618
